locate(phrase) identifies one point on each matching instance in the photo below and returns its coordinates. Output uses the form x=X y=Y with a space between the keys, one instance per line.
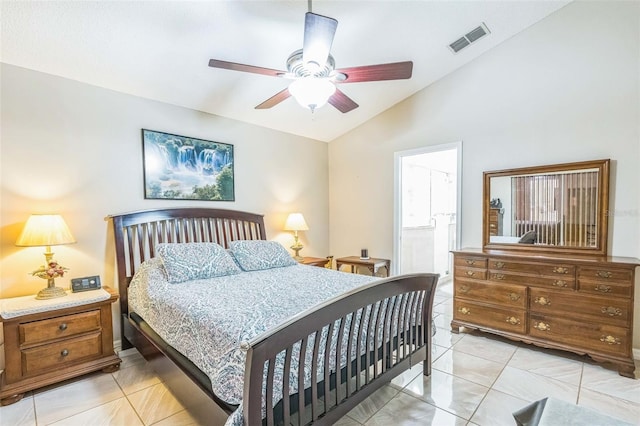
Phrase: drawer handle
x=543 y=301
x=513 y=320
x=464 y=311
x=470 y=273
x=62 y=326
x=499 y=265
x=471 y=262
x=603 y=288
x=513 y=296
x=64 y=353
x=542 y=326
x=610 y=340
x=464 y=289
x=499 y=276
x=611 y=311
x=604 y=274
x=560 y=283
x=561 y=270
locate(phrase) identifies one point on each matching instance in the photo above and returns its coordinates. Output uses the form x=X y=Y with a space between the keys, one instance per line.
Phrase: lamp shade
x=312 y=92
x=45 y=230
x=296 y=222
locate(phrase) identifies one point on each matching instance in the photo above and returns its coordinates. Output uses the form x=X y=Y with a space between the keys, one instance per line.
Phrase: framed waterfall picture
x=183 y=168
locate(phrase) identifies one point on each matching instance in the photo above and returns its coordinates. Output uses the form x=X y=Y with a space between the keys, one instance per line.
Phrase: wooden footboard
x=385 y=328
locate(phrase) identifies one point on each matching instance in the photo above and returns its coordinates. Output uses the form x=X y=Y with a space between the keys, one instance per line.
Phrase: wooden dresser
x=579 y=304
x=495 y=221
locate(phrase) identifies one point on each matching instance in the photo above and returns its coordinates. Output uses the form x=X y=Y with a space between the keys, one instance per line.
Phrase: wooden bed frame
x=400 y=339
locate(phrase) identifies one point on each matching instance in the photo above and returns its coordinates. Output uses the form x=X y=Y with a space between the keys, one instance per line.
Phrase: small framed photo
x=183 y=168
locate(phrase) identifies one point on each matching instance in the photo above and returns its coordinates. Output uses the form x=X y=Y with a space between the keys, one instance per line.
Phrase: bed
x=346 y=345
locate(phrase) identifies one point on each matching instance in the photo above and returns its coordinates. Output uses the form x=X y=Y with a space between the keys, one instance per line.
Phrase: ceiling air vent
x=470 y=37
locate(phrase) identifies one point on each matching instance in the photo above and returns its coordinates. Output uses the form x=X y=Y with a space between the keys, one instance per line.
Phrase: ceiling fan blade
x=275 y=99
x=318 y=38
x=392 y=71
x=233 y=66
x=342 y=102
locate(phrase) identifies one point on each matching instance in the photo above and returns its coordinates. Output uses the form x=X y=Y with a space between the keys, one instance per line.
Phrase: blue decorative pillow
x=195 y=261
x=254 y=255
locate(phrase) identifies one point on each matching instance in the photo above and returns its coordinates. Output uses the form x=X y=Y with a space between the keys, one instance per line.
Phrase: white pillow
x=255 y=255
x=195 y=261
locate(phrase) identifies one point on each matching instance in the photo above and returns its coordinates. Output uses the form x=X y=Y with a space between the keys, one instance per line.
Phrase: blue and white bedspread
x=208 y=320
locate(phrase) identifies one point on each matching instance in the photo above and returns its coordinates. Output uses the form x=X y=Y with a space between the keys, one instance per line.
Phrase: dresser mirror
x=553 y=208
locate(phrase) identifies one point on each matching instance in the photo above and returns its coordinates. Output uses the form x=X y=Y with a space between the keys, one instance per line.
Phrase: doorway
x=427 y=200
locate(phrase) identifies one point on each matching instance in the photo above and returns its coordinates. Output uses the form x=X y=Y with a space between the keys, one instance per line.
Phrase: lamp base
x=296 y=249
x=50 y=293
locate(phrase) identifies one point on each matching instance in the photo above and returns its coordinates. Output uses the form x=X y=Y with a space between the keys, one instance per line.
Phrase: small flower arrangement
x=52 y=270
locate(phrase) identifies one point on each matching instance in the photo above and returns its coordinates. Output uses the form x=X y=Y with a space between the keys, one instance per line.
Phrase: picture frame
x=184 y=168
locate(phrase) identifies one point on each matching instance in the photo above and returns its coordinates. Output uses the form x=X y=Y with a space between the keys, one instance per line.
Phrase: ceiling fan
x=313 y=70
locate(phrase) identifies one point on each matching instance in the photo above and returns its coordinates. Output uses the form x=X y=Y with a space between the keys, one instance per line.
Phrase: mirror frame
x=603 y=167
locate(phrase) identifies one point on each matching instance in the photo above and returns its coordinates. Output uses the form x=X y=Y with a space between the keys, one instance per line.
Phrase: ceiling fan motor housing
x=297 y=67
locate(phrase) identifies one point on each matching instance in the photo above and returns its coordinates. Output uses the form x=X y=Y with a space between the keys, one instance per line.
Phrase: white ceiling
x=160 y=49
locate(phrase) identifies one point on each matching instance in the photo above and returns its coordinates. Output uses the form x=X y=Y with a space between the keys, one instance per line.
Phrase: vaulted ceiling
x=160 y=49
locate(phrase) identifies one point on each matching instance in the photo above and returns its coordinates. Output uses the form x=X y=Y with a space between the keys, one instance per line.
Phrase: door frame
x=397 y=193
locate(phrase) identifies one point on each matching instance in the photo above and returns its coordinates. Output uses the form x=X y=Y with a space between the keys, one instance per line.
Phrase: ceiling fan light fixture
x=311 y=92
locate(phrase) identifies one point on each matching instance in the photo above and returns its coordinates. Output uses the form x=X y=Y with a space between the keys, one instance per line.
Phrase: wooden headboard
x=137 y=233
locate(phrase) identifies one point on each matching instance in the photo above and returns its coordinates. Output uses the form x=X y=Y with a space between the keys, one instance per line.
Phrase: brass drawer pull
x=604 y=274
x=610 y=340
x=470 y=262
x=542 y=326
x=464 y=289
x=499 y=276
x=62 y=327
x=602 y=288
x=499 y=265
x=542 y=301
x=514 y=297
x=64 y=353
x=560 y=283
x=561 y=270
x=611 y=311
x=513 y=320
x=464 y=311
x=470 y=273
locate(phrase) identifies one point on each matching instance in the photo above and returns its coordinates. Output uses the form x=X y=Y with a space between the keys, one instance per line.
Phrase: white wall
x=76 y=149
x=566 y=89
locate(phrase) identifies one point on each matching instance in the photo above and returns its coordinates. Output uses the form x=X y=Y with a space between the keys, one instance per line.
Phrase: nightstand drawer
x=59 y=327
x=50 y=357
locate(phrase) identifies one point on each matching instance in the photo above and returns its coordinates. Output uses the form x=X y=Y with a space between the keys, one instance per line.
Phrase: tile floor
x=476 y=380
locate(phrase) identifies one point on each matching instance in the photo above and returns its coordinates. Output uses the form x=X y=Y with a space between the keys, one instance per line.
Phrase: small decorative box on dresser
x=576 y=303
x=62 y=342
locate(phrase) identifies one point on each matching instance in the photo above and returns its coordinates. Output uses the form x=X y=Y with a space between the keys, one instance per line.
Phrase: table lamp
x=47 y=230
x=295 y=222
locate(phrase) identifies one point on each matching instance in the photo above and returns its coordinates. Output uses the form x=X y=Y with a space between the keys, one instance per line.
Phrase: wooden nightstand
x=315 y=261
x=48 y=347
x=372 y=264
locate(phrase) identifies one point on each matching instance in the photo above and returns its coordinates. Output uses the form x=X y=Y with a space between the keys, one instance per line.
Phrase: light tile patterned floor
x=477 y=380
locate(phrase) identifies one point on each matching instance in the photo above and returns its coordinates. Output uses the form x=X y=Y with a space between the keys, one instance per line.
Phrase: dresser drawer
x=591 y=337
x=470 y=261
x=470 y=273
x=49 y=357
x=577 y=306
x=503 y=294
x=611 y=289
x=58 y=327
x=512 y=320
x=546 y=269
x=561 y=282
x=605 y=275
